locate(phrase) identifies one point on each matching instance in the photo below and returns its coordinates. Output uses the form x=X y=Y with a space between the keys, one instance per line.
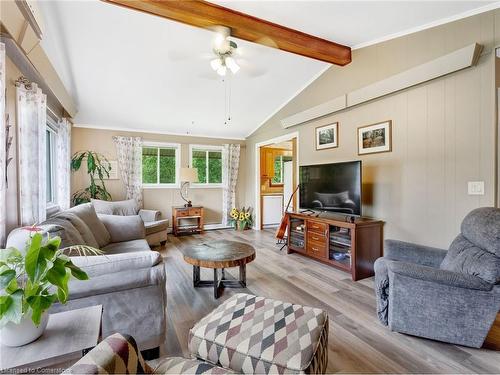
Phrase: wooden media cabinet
x=326 y=236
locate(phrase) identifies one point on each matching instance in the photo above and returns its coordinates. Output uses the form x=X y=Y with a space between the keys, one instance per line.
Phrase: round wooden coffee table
x=219 y=255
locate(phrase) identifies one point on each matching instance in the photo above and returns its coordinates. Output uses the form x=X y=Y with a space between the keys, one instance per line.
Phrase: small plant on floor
x=98 y=167
x=241 y=219
x=31 y=282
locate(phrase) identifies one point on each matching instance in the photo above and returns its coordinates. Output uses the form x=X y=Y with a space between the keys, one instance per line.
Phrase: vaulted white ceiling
x=130 y=70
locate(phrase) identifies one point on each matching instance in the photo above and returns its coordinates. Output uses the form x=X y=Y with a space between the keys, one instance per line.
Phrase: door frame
x=282 y=138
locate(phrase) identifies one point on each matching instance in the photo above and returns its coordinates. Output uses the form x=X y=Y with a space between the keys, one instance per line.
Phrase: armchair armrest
x=448 y=278
x=123 y=228
x=413 y=253
x=111 y=354
x=149 y=215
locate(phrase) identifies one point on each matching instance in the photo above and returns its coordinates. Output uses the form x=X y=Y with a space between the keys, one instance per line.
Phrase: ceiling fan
x=224 y=50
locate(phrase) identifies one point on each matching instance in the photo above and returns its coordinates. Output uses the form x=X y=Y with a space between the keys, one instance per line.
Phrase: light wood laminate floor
x=358 y=343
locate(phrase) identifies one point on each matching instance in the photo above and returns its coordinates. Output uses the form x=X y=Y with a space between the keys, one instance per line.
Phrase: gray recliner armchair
x=451 y=296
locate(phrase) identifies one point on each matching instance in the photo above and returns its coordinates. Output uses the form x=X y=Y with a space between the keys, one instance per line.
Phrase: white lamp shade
x=189 y=175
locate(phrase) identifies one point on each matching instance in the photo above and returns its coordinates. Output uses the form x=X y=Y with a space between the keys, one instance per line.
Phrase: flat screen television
x=332 y=187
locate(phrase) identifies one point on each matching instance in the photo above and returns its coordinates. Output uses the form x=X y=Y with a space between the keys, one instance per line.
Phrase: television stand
x=351 y=246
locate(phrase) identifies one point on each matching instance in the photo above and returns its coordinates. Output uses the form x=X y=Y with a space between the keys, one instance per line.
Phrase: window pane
x=278 y=168
x=48 y=161
x=150 y=165
x=200 y=162
x=215 y=167
x=167 y=165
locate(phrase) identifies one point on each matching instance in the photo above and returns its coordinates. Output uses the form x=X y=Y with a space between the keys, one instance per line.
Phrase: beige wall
x=443 y=131
x=157 y=198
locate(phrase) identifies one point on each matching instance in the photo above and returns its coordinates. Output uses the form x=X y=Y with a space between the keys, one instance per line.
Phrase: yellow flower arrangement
x=241 y=218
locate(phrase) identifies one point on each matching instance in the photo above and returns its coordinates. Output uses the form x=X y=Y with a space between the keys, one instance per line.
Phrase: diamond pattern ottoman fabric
x=250 y=334
x=178 y=365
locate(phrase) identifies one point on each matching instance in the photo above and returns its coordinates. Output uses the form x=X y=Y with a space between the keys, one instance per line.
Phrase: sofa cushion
x=482 y=227
x=250 y=334
x=127 y=247
x=123 y=208
x=156 y=226
x=464 y=257
x=87 y=214
x=123 y=228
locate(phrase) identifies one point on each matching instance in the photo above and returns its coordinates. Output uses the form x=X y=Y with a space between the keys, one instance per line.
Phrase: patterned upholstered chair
x=246 y=335
x=451 y=296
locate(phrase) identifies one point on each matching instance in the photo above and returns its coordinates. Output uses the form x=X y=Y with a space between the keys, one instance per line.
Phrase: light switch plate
x=475 y=187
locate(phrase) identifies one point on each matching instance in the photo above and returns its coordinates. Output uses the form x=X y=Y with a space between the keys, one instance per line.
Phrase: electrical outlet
x=475 y=187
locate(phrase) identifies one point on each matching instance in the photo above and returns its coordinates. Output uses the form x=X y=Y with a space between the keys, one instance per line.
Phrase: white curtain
x=129 y=150
x=230 y=166
x=63 y=160
x=31 y=123
x=3 y=142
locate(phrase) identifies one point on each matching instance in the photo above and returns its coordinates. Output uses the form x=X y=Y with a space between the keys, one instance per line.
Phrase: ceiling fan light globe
x=232 y=65
x=215 y=64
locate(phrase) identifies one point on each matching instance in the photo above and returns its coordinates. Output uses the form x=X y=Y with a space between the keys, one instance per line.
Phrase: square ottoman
x=250 y=334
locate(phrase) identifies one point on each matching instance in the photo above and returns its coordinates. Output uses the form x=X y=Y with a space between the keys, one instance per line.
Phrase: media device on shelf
x=334 y=188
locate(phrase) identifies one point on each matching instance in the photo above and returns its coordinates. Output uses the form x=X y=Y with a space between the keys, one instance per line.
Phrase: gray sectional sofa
x=451 y=296
x=128 y=280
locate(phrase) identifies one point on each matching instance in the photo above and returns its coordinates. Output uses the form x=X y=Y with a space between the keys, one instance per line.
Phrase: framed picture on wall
x=375 y=138
x=327 y=136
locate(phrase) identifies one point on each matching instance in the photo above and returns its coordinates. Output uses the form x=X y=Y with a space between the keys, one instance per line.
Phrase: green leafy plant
x=97 y=168
x=241 y=219
x=31 y=283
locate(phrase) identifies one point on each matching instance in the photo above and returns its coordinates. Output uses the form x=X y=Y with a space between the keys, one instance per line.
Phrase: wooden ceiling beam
x=203 y=14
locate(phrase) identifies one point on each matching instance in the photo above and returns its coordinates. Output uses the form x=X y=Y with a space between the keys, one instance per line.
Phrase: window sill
x=206 y=186
x=161 y=186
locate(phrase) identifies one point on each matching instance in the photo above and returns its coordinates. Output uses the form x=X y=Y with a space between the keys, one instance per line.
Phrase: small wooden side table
x=192 y=217
x=68 y=337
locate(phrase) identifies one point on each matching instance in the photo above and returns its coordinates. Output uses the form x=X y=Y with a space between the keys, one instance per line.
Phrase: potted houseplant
x=241 y=219
x=30 y=283
x=98 y=168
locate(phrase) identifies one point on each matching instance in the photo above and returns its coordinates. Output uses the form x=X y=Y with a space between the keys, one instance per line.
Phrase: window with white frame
x=208 y=161
x=50 y=160
x=160 y=164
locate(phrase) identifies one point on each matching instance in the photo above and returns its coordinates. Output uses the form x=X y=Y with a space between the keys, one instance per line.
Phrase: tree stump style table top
x=219 y=255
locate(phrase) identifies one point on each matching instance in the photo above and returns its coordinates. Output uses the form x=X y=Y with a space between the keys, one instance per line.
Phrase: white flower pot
x=23 y=333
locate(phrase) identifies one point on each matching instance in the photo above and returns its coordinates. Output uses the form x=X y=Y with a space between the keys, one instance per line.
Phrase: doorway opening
x=276 y=179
